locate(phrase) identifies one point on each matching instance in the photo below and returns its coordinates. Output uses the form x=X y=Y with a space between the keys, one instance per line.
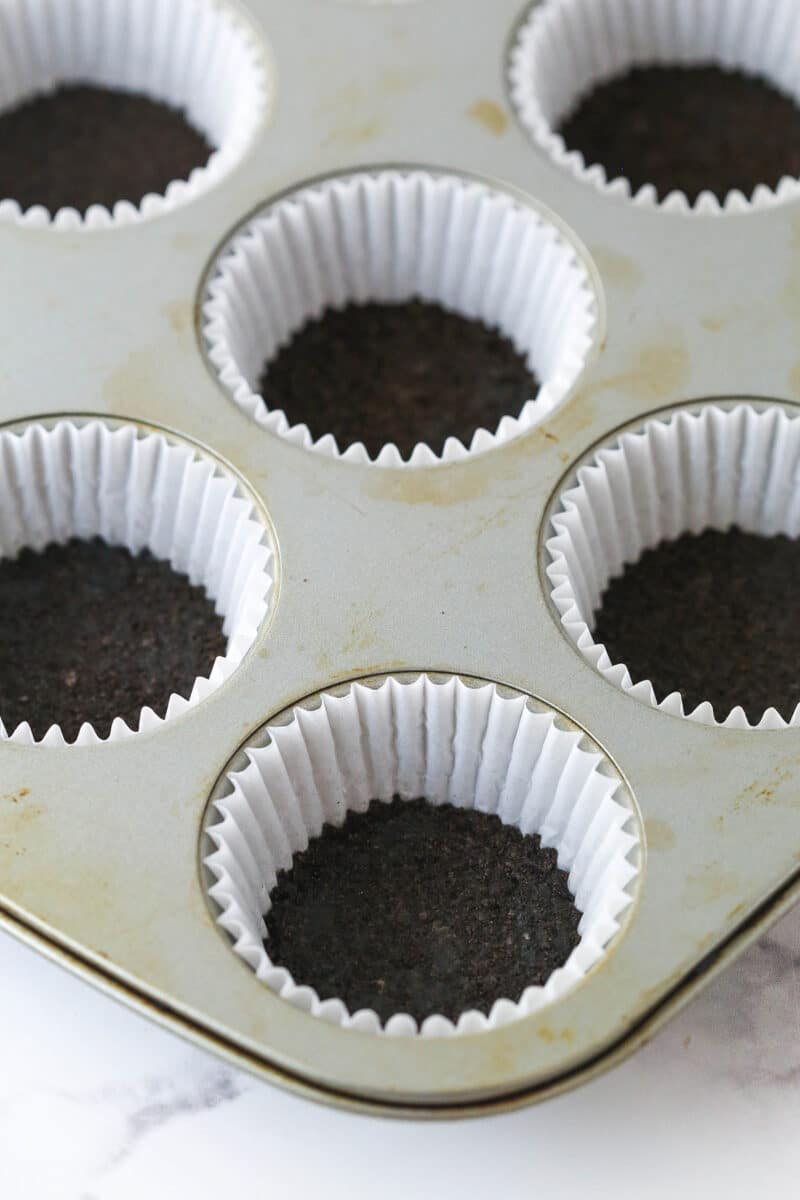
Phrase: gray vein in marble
x=160 y=1100
x=747 y=1024
x=135 y=1112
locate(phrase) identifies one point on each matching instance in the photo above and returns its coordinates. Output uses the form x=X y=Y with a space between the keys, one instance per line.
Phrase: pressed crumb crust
x=82 y=145
x=401 y=373
x=689 y=129
x=419 y=908
x=90 y=632
x=712 y=616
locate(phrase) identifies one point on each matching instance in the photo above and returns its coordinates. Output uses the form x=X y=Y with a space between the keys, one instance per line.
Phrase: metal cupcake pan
x=389 y=571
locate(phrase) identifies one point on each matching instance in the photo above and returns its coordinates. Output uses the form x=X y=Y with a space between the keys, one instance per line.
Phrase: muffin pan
x=440 y=575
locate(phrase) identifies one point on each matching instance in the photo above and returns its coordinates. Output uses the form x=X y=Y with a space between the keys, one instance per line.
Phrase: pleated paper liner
x=451 y=741
x=685 y=472
x=392 y=236
x=141 y=491
x=199 y=55
x=566 y=48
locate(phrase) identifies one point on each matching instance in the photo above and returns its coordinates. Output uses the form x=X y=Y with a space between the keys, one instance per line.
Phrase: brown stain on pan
x=794 y=378
x=660 y=835
x=616 y=269
x=22 y=814
x=362 y=636
x=354 y=135
x=352 y=108
x=715 y=322
x=439 y=486
x=708 y=886
x=767 y=791
x=15 y=797
x=126 y=384
x=179 y=315
x=658 y=372
x=489 y=115
x=577 y=414
x=469 y=479
x=138 y=386
x=550 y=1035
x=399 y=81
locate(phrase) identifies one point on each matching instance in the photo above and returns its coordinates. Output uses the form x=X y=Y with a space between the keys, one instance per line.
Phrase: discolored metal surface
x=390 y=570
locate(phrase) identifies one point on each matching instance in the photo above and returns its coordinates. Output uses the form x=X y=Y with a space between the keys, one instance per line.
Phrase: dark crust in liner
x=81 y=145
x=688 y=128
x=403 y=373
x=712 y=616
x=90 y=632
x=419 y=908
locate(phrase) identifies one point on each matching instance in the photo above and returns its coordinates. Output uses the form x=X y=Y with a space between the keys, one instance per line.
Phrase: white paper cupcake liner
x=202 y=56
x=392 y=236
x=142 y=492
x=567 y=47
x=438 y=737
x=680 y=473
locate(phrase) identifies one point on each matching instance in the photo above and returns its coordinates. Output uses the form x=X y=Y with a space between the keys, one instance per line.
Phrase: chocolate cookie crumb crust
x=420 y=908
x=412 y=308
x=402 y=373
x=674 y=562
x=82 y=145
x=90 y=632
x=712 y=616
x=688 y=128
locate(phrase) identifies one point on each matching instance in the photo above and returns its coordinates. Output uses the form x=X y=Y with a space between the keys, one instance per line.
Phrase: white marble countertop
x=97 y=1104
